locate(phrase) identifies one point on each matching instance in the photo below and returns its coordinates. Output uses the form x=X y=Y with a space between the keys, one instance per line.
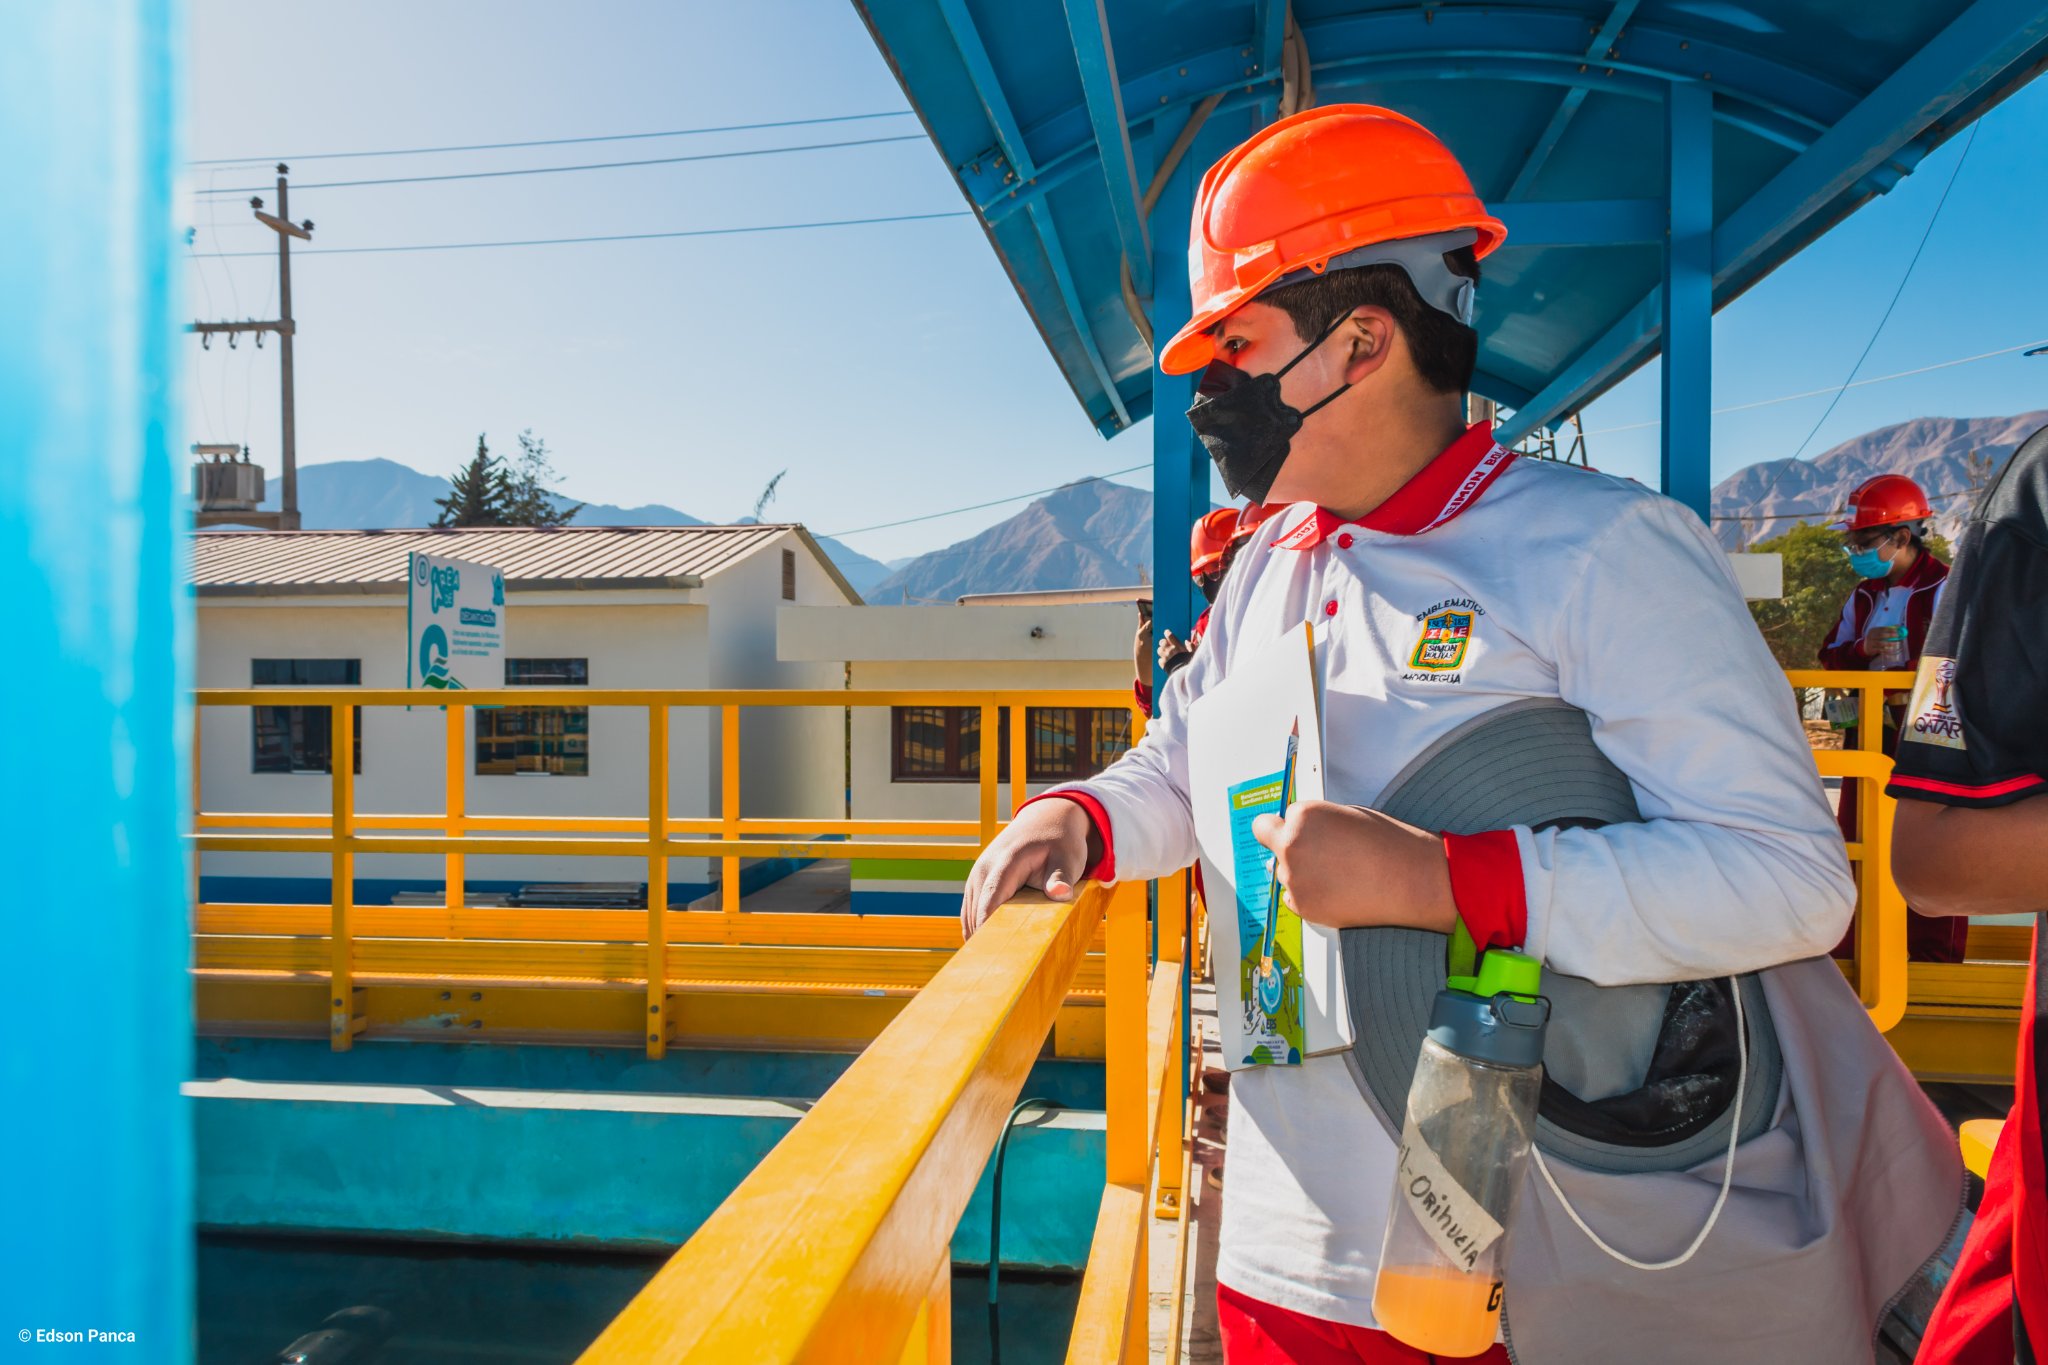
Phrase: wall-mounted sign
x=454 y=624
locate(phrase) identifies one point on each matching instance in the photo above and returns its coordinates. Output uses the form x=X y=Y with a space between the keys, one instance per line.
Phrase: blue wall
x=96 y=1229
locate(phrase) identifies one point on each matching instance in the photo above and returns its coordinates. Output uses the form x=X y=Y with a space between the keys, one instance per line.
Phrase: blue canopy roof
x=1569 y=117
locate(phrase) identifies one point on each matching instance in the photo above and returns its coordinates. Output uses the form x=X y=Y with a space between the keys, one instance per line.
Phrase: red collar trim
x=1439 y=491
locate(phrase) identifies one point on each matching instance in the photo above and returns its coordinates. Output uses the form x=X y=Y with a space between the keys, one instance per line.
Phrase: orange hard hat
x=1886 y=500
x=1311 y=187
x=1250 y=517
x=1211 y=540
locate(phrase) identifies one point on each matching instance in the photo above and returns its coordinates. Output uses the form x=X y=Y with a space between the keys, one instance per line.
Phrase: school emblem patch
x=1931 y=716
x=1445 y=635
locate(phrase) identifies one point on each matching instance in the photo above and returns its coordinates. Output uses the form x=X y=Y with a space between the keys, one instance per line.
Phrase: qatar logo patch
x=1931 y=716
x=1445 y=634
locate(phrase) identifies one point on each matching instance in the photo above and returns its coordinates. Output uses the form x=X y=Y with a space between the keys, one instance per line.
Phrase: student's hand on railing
x=1048 y=846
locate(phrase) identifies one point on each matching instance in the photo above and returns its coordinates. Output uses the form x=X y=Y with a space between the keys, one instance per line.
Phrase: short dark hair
x=1446 y=351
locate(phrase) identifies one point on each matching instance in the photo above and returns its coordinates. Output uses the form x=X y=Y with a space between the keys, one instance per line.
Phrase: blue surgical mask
x=1867 y=563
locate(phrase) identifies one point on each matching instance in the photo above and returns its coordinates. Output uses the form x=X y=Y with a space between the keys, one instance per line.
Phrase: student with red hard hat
x=1334 y=259
x=1212 y=546
x=1883 y=626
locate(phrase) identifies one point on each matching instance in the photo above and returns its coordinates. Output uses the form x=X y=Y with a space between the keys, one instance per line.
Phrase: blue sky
x=890 y=368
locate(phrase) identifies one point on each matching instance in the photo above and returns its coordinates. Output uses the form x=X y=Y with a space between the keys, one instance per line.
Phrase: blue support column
x=1180 y=475
x=1180 y=467
x=97 y=1229
x=1688 y=296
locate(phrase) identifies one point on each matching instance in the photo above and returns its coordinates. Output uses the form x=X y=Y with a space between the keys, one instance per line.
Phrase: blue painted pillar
x=95 y=1016
x=1180 y=467
x=1688 y=295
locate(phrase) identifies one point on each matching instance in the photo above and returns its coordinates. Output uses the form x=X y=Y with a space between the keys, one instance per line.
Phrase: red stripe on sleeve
x=2005 y=788
x=1105 y=870
x=1486 y=885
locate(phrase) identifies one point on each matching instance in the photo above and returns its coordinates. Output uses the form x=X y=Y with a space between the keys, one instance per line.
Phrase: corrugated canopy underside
x=1555 y=109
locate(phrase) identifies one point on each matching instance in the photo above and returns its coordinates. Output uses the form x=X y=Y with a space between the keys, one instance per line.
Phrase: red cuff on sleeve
x=1486 y=885
x=1142 y=690
x=1104 y=871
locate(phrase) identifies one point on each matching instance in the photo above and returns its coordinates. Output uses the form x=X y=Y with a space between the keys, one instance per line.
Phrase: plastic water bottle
x=1891 y=649
x=1464 y=1150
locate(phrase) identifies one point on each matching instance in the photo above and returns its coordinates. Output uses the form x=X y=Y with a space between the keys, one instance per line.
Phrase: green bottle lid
x=1488 y=974
x=1501 y=971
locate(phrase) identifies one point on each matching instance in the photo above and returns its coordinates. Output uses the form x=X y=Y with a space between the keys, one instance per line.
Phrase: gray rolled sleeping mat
x=1847 y=1181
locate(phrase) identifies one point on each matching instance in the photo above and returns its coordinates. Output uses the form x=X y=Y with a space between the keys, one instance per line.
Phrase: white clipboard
x=1238 y=744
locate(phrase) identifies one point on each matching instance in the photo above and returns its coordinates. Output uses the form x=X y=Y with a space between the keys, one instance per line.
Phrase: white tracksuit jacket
x=1484 y=579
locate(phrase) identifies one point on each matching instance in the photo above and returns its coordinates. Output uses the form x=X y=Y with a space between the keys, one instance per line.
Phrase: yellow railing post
x=1880 y=934
x=931 y=1335
x=729 y=813
x=456 y=873
x=1020 y=757
x=657 y=882
x=341 y=871
x=991 y=764
x=1110 y=1317
x=1173 y=917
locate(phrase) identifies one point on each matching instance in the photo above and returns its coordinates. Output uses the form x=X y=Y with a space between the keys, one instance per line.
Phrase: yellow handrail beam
x=828 y=1250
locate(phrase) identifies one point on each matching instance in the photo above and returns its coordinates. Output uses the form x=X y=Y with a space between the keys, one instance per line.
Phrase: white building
x=602 y=607
x=924 y=763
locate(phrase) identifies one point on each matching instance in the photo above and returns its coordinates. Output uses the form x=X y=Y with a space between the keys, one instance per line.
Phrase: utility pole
x=286 y=518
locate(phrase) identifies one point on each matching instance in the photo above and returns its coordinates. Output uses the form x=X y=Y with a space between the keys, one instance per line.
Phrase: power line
x=550 y=141
x=581 y=166
x=1815 y=393
x=1824 y=511
x=976 y=507
x=613 y=237
x=1904 y=279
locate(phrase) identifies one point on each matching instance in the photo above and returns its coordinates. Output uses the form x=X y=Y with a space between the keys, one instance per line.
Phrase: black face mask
x=1244 y=423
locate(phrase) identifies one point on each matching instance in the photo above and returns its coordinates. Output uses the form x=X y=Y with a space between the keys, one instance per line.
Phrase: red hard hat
x=1886 y=500
x=1210 y=540
x=1251 y=516
x=1310 y=187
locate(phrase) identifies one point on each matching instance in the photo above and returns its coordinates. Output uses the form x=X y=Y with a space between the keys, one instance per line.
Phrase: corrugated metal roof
x=228 y=562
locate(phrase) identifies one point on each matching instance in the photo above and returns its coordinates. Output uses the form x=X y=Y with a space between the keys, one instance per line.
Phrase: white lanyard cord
x=1727 y=1175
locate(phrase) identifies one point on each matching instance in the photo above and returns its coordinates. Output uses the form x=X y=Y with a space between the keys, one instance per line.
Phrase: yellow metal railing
x=1880 y=972
x=836 y=1247
x=1948 y=1021
x=816 y=954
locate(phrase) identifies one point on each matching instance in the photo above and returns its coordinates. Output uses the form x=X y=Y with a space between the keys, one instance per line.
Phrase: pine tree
x=528 y=501
x=479 y=493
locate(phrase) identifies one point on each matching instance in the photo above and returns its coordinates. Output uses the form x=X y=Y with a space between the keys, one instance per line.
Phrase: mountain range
x=1767 y=499
x=1089 y=534
x=1093 y=533
x=358 y=495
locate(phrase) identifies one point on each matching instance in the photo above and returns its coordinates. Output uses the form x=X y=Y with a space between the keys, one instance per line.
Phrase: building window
x=1064 y=744
x=300 y=739
x=552 y=740
x=1068 y=744
x=789 y=575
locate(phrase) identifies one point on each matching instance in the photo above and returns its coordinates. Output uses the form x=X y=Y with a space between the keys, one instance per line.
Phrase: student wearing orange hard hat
x=1883 y=626
x=1334 y=258
x=1212 y=545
